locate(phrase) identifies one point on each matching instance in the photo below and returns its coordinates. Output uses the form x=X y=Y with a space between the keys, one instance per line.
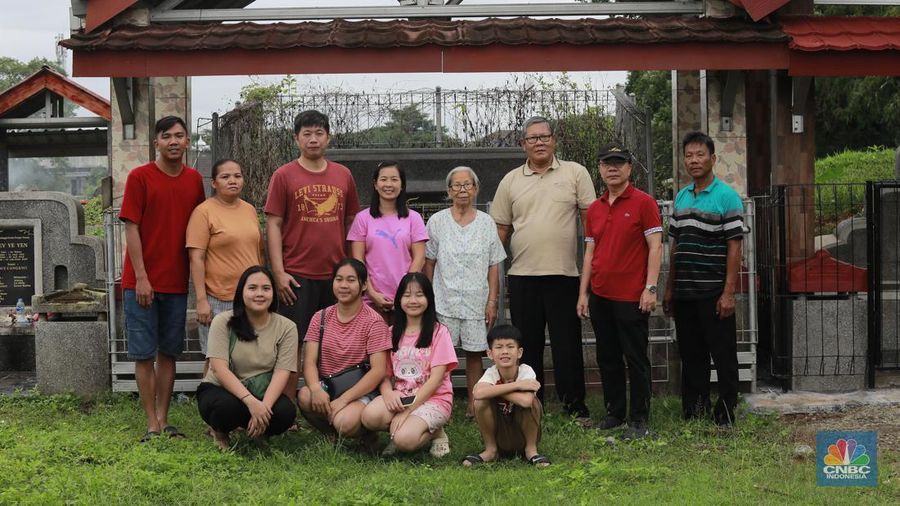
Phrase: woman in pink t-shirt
x=388 y=236
x=341 y=337
x=417 y=396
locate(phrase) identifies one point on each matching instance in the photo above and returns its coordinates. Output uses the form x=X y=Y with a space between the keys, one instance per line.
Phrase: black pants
x=622 y=329
x=313 y=295
x=539 y=302
x=702 y=334
x=224 y=412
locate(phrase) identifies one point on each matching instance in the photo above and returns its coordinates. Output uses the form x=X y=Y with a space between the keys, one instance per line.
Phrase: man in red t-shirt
x=159 y=198
x=622 y=256
x=311 y=205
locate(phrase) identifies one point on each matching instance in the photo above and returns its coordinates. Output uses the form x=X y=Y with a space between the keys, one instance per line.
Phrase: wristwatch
x=651 y=288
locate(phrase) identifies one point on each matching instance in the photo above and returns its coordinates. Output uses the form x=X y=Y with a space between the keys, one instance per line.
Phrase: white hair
x=461 y=168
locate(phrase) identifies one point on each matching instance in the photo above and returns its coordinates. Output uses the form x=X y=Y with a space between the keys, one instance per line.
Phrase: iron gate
x=883 y=236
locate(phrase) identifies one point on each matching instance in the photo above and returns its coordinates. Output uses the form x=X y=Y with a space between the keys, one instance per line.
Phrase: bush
x=93 y=217
x=841 y=178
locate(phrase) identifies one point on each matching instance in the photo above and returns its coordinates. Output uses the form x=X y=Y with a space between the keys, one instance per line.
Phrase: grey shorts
x=216 y=306
x=470 y=335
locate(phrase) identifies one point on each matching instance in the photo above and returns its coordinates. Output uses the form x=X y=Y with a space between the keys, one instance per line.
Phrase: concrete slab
x=798 y=402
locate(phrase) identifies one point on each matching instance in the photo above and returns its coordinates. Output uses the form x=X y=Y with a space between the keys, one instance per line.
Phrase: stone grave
x=43 y=249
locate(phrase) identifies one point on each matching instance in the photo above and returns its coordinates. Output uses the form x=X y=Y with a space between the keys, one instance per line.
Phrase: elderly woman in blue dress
x=462 y=258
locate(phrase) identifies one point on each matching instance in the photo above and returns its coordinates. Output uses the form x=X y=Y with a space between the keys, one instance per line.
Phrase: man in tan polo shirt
x=536 y=209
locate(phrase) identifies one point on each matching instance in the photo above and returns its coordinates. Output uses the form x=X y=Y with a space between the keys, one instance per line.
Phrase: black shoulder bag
x=339 y=382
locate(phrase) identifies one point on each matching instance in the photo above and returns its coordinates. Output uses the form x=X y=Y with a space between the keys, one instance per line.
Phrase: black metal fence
x=883 y=225
x=812 y=306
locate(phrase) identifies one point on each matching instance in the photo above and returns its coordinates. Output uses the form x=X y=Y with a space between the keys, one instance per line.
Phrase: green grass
x=54 y=449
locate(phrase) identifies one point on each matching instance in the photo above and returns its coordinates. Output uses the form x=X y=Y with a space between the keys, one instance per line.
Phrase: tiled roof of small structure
x=420 y=32
x=818 y=33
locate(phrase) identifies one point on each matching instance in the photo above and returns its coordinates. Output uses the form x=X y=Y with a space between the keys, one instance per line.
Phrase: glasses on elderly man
x=459 y=186
x=534 y=138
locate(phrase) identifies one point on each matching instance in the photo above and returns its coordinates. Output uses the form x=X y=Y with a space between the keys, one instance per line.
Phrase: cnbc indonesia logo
x=847 y=459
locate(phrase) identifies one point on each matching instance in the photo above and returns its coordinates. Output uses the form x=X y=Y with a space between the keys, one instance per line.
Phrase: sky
x=29 y=29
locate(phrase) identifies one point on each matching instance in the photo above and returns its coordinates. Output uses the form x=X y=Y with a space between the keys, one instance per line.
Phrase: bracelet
x=245 y=396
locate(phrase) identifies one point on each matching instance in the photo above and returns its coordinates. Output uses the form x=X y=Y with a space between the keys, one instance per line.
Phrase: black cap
x=614 y=151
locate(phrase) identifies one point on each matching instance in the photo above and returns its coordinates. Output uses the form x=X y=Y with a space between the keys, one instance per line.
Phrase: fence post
x=648 y=141
x=438 y=117
x=873 y=295
x=215 y=137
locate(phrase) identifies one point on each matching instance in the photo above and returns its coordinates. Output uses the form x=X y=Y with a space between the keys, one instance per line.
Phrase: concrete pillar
x=686 y=112
x=731 y=146
x=153 y=98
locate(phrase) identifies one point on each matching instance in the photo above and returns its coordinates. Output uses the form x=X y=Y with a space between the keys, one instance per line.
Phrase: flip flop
x=150 y=434
x=172 y=431
x=538 y=460
x=472 y=460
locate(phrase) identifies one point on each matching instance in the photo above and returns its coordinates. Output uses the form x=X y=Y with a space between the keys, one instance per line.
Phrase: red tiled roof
x=819 y=33
x=49 y=79
x=759 y=9
x=421 y=32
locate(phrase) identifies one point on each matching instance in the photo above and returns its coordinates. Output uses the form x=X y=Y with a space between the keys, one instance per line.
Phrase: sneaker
x=440 y=445
x=635 y=431
x=610 y=422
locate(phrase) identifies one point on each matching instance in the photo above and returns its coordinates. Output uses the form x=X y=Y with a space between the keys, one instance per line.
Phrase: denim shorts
x=157 y=328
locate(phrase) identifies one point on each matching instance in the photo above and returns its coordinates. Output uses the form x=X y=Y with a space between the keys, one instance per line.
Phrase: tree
x=12 y=71
x=407 y=126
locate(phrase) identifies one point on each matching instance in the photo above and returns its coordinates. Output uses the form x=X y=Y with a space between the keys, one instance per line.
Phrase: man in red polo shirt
x=623 y=252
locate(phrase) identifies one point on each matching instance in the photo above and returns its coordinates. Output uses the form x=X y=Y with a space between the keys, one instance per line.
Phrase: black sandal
x=538 y=460
x=473 y=460
x=172 y=431
x=150 y=434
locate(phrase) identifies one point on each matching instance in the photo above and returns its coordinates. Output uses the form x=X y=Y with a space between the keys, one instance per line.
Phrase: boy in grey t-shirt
x=506 y=408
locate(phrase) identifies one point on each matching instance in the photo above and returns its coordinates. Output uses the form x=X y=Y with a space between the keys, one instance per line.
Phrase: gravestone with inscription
x=43 y=249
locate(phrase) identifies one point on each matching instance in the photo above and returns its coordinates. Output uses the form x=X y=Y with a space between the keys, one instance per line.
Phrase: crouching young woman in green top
x=252 y=351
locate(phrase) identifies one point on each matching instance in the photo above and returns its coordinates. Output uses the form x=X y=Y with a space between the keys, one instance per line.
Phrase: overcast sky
x=29 y=29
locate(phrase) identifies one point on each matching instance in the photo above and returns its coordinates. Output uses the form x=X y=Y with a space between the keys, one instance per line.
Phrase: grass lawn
x=54 y=449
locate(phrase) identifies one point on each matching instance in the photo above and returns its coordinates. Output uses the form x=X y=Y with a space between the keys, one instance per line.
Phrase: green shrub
x=93 y=217
x=841 y=178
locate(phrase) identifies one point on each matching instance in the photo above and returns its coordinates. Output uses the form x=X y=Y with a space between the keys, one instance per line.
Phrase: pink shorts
x=436 y=413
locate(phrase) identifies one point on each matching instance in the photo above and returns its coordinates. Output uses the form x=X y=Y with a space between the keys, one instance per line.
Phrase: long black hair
x=429 y=317
x=239 y=323
x=362 y=274
x=374 y=205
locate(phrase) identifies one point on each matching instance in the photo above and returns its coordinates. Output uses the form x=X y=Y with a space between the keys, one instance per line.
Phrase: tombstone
x=43 y=249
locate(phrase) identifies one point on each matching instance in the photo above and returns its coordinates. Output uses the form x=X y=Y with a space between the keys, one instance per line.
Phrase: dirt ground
x=884 y=420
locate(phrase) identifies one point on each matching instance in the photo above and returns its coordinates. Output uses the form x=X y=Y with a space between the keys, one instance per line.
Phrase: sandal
x=538 y=460
x=172 y=431
x=150 y=434
x=440 y=445
x=472 y=460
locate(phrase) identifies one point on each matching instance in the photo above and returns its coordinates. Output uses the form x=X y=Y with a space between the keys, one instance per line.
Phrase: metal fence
x=813 y=274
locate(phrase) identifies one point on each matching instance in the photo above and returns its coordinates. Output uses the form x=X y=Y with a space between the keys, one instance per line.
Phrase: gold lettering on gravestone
x=16 y=265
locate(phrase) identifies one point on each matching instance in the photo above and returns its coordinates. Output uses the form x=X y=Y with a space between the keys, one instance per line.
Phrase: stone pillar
x=731 y=146
x=686 y=112
x=153 y=98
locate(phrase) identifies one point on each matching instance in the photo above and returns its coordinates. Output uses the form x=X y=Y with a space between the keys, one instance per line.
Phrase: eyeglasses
x=459 y=186
x=534 y=138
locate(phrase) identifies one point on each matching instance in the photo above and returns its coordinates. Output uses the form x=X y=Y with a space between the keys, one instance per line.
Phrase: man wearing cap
x=706 y=231
x=536 y=208
x=623 y=252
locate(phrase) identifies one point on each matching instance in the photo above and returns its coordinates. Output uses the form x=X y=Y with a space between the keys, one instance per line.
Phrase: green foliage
x=267 y=93
x=856 y=112
x=57 y=449
x=841 y=177
x=93 y=217
x=653 y=92
x=12 y=71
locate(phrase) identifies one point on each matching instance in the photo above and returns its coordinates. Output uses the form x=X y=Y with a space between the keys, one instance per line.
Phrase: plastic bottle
x=20 y=312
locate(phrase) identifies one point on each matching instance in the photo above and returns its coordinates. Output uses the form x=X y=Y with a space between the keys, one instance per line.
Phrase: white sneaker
x=440 y=445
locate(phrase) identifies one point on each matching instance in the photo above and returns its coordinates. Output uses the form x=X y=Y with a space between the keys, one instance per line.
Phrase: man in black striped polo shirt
x=706 y=229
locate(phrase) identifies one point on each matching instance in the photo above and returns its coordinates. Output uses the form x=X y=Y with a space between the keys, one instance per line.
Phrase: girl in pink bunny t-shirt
x=417 y=395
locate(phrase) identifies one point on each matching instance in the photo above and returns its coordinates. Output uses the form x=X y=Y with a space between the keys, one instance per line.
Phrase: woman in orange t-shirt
x=223 y=239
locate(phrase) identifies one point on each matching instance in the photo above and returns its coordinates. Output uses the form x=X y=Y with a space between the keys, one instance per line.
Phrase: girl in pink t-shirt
x=417 y=396
x=388 y=236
